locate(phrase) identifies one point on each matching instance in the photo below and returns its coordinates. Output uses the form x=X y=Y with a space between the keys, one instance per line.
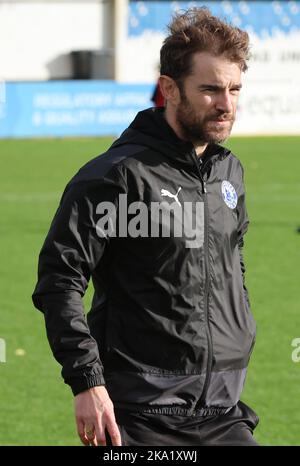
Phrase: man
x=162 y=357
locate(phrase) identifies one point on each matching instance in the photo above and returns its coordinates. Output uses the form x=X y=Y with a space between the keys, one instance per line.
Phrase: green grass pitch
x=36 y=407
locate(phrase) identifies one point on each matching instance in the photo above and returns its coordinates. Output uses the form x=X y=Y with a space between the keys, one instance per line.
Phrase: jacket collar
x=150 y=129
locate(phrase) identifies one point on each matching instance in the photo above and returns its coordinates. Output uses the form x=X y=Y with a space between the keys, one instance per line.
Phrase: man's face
x=208 y=99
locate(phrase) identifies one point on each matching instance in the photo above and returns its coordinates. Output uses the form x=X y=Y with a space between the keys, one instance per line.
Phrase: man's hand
x=94 y=413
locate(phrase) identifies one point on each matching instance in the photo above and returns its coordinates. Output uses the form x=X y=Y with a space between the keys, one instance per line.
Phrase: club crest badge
x=229 y=195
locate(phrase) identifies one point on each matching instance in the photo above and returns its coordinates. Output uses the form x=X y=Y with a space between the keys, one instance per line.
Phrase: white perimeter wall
x=36 y=37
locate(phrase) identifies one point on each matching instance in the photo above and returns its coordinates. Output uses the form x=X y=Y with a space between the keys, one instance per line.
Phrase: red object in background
x=157 y=97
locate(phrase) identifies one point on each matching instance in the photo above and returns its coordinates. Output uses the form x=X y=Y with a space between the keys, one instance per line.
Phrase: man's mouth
x=221 y=120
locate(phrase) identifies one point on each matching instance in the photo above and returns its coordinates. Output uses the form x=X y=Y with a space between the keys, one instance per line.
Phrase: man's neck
x=171 y=120
x=200 y=149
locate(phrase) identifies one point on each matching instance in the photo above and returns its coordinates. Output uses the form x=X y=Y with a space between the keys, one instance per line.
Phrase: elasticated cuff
x=80 y=384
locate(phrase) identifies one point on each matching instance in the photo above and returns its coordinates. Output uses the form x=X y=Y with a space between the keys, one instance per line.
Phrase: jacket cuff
x=80 y=384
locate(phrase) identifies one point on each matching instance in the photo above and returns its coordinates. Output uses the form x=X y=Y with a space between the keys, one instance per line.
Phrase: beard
x=199 y=129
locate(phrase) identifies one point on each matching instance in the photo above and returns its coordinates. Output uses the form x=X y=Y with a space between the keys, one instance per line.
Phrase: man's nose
x=224 y=102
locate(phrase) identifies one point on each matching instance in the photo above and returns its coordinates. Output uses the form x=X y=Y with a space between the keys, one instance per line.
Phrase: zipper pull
x=204 y=187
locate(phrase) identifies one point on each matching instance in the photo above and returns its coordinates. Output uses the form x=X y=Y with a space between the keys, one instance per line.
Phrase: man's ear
x=169 y=89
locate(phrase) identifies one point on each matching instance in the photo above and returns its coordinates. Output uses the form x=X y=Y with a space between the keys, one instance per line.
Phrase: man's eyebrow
x=217 y=87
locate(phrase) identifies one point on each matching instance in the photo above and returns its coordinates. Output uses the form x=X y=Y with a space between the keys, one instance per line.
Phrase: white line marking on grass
x=2 y=350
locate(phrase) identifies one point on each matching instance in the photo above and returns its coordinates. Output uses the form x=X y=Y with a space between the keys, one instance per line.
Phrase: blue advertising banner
x=70 y=108
x=262 y=17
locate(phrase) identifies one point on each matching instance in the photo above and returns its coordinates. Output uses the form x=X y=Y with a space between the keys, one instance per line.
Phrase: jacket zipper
x=207 y=284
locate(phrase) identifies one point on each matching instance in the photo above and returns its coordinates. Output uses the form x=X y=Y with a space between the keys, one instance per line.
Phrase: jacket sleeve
x=243 y=222
x=72 y=250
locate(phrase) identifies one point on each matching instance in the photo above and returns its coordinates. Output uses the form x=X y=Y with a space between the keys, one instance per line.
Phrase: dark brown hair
x=197 y=30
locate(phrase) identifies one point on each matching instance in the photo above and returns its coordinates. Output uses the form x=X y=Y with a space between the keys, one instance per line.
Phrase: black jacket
x=170 y=329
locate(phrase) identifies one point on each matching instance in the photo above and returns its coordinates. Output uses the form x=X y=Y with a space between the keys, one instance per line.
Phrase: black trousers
x=233 y=428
